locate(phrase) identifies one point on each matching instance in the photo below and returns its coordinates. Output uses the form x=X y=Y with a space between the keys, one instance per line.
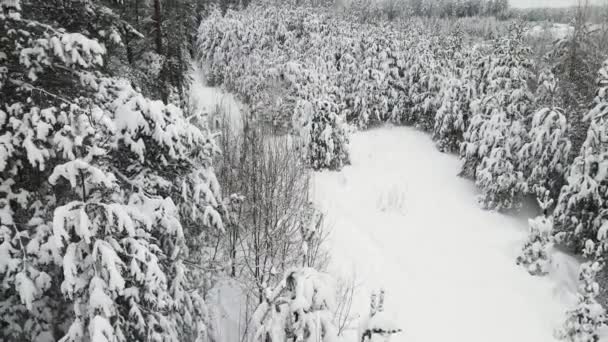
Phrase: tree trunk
x=233 y=258
x=137 y=15
x=128 y=47
x=158 y=27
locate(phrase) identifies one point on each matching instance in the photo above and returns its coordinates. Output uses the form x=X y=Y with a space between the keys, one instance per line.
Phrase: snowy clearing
x=402 y=220
x=207 y=99
x=554 y=30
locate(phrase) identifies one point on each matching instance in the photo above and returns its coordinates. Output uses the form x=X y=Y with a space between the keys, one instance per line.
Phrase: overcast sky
x=547 y=3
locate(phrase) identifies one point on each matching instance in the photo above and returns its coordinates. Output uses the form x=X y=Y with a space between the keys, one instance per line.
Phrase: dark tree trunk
x=158 y=27
x=128 y=47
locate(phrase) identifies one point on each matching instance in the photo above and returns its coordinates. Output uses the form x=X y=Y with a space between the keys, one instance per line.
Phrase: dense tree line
x=597 y=14
x=393 y=9
x=459 y=8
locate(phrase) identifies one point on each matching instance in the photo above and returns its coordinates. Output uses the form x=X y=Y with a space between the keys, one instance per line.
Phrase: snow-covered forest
x=303 y=171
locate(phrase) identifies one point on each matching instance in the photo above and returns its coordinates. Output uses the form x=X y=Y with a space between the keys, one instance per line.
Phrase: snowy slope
x=555 y=30
x=404 y=221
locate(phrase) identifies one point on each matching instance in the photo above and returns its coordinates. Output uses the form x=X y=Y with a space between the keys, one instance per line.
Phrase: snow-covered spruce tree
x=545 y=156
x=498 y=176
x=497 y=131
x=582 y=322
x=299 y=308
x=328 y=147
x=424 y=88
x=581 y=207
x=576 y=58
x=452 y=117
x=535 y=257
x=92 y=178
x=479 y=74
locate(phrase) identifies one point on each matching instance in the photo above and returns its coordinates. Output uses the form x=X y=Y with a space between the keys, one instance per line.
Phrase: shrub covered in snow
x=377 y=327
x=298 y=309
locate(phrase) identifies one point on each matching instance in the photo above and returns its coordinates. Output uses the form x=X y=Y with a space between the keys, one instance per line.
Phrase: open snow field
x=402 y=220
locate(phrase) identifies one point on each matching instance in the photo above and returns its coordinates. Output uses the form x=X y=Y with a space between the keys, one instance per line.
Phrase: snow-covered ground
x=227 y=303
x=207 y=99
x=554 y=30
x=403 y=220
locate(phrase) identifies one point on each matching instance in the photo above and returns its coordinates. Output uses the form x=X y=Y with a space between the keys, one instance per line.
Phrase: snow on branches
x=452 y=117
x=278 y=59
x=582 y=322
x=535 y=256
x=497 y=131
x=580 y=210
x=545 y=157
x=378 y=326
x=299 y=308
x=328 y=138
x=94 y=179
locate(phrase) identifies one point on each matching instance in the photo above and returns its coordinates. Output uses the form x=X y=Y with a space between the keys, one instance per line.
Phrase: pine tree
x=426 y=77
x=535 y=257
x=582 y=201
x=577 y=57
x=498 y=176
x=452 y=118
x=588 y=316
x=545 y=156
x=497 y=131
x=328 y=147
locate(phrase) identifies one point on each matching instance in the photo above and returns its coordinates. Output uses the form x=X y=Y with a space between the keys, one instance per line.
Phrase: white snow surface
x=402 y=220
x=227 y=303
x=207 y=99
x=554 y=30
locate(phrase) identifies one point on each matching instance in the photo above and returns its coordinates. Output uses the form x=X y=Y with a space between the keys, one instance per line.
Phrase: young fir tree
x=582 y=202
x=582 y=322
x=576 y=58
x=425 y=81
x=452 y=117
x=328 y=144
x=545 y=156
x=93 y=177
x=535 y=257
x=497 y=131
